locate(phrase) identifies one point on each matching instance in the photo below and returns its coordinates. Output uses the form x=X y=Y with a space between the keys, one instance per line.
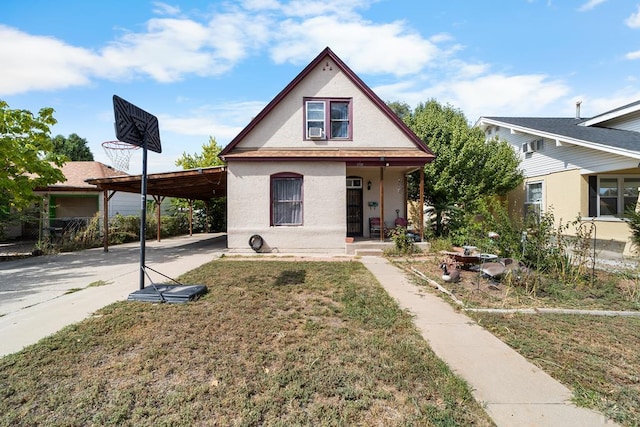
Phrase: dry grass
x=272 y=343
x=597 y=357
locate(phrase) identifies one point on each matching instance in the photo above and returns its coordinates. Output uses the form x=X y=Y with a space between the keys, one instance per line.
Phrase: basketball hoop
x=120 y=153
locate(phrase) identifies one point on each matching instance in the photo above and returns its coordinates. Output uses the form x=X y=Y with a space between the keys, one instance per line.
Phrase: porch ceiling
x=194 y=184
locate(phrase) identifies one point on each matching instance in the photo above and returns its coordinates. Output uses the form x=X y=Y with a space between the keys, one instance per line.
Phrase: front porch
x=375 y=247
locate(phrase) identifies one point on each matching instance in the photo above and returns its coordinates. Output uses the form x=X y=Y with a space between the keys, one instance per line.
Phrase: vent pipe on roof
x=578 y=109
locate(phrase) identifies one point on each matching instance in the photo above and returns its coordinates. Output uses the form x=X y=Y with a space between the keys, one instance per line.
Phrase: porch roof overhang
x=194 y=184
x=351 y=157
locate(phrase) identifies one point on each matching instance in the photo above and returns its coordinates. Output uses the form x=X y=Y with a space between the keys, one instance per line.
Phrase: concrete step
x=369 y=252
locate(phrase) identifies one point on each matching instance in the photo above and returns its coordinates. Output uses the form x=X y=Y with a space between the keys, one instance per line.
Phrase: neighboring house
x=578 y=167
x=75 y=202
x=317 y=163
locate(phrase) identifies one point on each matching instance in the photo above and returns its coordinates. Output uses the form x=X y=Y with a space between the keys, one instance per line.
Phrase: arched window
x=286 y=199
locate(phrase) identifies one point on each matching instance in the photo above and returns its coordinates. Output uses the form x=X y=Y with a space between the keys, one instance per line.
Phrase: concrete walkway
x=34 y=292
x=514 y=391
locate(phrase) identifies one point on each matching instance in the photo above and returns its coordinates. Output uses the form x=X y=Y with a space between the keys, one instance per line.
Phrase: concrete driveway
x=35 y=297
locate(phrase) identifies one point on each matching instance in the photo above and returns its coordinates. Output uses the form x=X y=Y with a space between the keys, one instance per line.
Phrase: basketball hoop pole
x=143 y=208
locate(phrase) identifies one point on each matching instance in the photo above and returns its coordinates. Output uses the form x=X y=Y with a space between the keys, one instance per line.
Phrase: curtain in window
x=287 y=201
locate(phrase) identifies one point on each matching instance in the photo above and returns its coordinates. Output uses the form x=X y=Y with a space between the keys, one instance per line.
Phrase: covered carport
x=193 y=184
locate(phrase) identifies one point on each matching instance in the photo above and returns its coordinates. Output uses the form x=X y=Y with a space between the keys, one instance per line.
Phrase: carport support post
x=105 y=218
x=190 y=217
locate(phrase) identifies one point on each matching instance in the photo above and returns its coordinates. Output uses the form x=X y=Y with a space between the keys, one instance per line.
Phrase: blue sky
x=206 y=68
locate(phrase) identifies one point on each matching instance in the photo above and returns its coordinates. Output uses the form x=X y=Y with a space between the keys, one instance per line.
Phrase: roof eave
x=562 y=138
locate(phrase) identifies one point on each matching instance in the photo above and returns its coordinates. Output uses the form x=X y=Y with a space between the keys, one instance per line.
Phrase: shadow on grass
x=291 y=277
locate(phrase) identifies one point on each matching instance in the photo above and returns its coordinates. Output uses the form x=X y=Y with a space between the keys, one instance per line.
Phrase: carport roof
x=194 y=184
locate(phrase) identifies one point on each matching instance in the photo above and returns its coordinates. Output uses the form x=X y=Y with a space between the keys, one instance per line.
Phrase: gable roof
x=572 y=131
x=356 y=81
x=613 y=114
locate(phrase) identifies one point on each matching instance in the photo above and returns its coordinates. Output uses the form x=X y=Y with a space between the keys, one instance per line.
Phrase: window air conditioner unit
x=531 y=146
x=315 y=132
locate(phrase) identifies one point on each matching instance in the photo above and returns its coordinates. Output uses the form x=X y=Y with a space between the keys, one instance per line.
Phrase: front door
x=354 y=207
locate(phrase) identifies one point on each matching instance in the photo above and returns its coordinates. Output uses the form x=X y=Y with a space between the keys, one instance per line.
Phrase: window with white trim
x=533 y=199
x=286 y=199
x=616 y=194
x=328 y=118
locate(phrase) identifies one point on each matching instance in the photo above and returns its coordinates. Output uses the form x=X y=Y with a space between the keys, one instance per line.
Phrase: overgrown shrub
x=404 y=244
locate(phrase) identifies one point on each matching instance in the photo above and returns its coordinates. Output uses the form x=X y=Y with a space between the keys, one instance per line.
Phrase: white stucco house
x=586 y=167
x=317 y=163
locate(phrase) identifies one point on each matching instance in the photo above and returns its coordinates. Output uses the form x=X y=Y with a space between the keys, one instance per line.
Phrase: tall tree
x=401 y=109
x=27 y=160
x=215 y=208
x=208 y=157
x=73 y=147
x=467 y=166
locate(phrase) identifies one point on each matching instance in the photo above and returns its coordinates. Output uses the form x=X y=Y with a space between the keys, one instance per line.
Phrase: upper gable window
x=328 y=118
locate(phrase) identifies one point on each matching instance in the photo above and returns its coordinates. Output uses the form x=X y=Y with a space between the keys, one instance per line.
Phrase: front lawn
x=597 y=357
x=272 y=343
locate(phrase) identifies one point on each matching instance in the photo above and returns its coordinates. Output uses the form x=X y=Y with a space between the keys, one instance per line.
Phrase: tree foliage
x=208 y=157
x=73 y=148
x=467 y=166
x=212 y=214
x=26 y=153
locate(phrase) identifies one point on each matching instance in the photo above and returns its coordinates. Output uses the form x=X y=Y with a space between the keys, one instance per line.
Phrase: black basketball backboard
x=134 y=125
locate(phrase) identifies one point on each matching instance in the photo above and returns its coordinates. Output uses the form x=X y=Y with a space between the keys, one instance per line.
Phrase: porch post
x=381 y=203
x=421 y=215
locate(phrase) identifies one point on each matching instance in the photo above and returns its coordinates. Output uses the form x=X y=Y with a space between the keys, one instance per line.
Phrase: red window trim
x=281 y=175
x=327 y=118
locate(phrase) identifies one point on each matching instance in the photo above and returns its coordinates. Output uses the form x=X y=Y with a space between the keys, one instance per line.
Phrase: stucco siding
x=286 y=127
x=324 y=214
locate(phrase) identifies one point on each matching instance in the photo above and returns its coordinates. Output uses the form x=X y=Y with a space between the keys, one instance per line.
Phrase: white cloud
x=598 y=105
x=41 y=63
x=590 y=4
x=223 y=121
x=366 y=47
x=633 y=21
x=633 y=55
x=161 y=8
x=485 y=95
